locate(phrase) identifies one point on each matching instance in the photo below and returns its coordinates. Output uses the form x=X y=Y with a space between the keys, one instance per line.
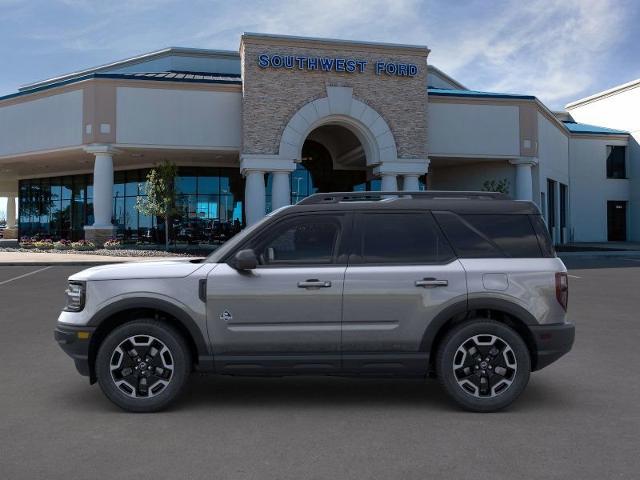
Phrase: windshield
x=217 y=255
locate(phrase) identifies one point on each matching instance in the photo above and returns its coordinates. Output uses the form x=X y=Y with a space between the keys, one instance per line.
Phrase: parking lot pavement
x=578 y=419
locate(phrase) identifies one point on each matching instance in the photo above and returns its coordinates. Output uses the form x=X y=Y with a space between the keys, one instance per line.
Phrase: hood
x=126 y=271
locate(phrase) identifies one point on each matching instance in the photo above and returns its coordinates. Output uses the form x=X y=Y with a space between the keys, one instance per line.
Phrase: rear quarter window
x=491 y=235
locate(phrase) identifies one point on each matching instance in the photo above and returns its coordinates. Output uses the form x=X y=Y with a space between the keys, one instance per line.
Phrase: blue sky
x=557 y=50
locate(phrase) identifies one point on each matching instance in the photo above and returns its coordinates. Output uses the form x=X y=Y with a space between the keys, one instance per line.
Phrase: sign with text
x=335 y=64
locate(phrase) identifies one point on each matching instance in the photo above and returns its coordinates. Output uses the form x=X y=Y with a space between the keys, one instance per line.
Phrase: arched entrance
x=335 y=143
x=332 y=160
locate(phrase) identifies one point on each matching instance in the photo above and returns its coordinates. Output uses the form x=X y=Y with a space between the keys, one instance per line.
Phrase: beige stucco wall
x=50 y=122
x=461 y=129
x=178 y=117
x=272 y=96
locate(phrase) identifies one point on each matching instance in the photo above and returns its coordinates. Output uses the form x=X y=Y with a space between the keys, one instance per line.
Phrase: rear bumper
x=552 y=342
x=75 y=340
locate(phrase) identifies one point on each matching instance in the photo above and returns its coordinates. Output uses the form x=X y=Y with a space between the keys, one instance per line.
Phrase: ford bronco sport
x=464 y=286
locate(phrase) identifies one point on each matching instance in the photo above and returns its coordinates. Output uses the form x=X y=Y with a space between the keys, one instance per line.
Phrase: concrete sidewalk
x=45 y=259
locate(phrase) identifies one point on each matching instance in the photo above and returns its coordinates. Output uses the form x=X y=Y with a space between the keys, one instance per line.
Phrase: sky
x=558 y=50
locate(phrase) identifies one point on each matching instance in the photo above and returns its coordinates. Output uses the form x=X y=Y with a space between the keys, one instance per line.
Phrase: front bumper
x=75 y=341
x=552 y=342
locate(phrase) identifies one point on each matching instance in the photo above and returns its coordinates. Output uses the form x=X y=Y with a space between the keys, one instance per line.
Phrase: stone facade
x=272 y=96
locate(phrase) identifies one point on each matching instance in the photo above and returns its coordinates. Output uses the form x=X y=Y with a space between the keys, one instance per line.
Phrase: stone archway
x=340 y=108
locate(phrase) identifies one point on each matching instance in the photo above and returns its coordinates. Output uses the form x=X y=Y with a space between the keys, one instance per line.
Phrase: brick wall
x=271 y=96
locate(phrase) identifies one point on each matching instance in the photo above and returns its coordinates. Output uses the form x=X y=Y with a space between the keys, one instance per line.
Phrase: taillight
x=562 y=289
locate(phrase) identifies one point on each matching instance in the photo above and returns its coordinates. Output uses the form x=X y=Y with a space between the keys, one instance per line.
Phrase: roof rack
x=336 y=197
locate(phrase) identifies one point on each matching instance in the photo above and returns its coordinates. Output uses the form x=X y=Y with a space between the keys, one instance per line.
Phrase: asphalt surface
x=578 y=419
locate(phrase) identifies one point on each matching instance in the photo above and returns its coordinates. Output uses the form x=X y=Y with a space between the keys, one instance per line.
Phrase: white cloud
x=555 y=49
x=548 y=48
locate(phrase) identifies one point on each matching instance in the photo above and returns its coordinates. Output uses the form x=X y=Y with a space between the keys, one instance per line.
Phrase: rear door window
x=493 y=235
x=401 y=238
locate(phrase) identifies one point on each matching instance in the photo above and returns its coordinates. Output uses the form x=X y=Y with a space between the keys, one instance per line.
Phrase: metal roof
x=177 y=75
x=173 y=76
x=575 y=127
x=145 y=57
x=444 y=92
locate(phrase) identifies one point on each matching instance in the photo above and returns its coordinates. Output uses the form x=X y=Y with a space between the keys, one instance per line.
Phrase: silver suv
x=464 y=286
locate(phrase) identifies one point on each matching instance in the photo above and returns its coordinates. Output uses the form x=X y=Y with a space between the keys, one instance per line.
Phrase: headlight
x=75 y=297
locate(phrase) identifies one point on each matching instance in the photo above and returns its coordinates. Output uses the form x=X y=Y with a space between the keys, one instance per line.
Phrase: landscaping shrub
x=113 y=244
x=83 y=245
x=62 y=245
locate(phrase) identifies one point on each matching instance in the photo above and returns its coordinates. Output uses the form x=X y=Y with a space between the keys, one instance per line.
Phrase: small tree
x=501 y=186
x=160 y=193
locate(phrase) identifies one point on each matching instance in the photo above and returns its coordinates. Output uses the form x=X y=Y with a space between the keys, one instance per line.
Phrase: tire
x=461 y=369
x=143 y=365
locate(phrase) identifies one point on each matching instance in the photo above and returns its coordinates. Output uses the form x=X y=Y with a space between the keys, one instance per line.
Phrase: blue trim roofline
x=575 y=127
x=120 y=76
x=444 y=92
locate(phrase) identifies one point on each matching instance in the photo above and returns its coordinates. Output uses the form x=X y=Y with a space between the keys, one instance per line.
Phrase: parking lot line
x=24 y=275
x=573 y=276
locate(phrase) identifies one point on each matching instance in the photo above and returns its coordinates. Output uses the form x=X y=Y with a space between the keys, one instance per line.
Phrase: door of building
x=617 y=221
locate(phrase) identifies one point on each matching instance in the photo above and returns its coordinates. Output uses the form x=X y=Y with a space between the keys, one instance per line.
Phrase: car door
x=401 y=274
x=285 y=314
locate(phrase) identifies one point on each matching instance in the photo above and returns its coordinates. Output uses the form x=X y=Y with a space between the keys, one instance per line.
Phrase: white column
x=280 y=190
x=254 y=196
x=389 y=182
x=103 y=189
x=524 y=178
x=411 y=183
x=11 y=211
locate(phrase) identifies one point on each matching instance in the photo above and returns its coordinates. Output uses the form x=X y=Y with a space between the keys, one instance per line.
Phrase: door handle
x=431 y=283
x=314 y=283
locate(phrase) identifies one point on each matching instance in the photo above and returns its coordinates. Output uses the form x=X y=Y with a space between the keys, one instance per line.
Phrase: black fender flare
x=463 y=307
x=202 y=346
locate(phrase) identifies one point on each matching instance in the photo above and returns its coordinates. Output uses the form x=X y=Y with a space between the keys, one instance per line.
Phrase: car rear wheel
x=143 y=365
x=483 y=365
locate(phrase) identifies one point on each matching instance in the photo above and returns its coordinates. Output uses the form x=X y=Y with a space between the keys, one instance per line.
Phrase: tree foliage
x=160 y=199
x=501 y=186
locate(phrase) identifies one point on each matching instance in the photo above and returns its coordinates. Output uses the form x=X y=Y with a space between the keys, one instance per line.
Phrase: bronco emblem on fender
x=226 y=316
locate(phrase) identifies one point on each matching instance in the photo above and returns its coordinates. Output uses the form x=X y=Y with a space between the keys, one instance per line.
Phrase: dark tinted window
x=486 y=236
x=402 y=238
x=616 y=163
x=310 y=239
x=544 y=240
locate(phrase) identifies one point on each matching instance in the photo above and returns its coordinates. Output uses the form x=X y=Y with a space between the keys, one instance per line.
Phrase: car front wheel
x=143 y=365
x=483 y=365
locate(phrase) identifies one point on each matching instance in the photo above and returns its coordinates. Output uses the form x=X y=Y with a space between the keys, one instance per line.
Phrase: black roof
x=458 y=202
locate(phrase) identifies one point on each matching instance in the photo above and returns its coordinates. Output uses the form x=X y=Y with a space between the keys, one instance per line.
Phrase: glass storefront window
x=186 y=184
x=209 y=205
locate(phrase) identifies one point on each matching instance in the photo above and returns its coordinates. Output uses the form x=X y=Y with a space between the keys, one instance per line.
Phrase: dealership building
x=286 y=116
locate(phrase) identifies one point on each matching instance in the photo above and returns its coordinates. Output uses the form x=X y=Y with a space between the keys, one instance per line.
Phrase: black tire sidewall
x=461 y=333
x=176 y=345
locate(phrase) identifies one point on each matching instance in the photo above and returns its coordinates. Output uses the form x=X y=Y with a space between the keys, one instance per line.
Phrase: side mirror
x=245 y=260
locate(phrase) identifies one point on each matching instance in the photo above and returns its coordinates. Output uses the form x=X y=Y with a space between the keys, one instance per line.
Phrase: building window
x=551 y=204
x=616 y=162
x=209 y=207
